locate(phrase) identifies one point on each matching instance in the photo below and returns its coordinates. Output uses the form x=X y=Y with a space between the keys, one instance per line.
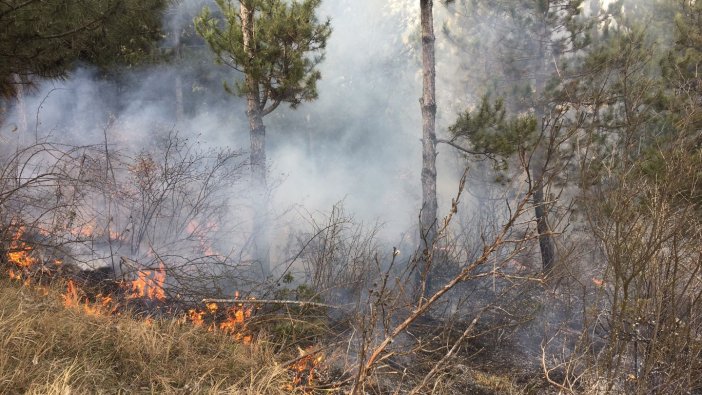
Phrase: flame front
x=20 y=252
x=149 y=284
x=305 y=369
x=197 y=317
x=233 y=322
x=74 y=297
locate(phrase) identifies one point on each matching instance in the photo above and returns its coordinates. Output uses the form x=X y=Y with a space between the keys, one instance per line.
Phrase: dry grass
x=48 y=349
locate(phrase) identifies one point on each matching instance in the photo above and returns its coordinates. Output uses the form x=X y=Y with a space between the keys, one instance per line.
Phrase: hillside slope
x=47 y=348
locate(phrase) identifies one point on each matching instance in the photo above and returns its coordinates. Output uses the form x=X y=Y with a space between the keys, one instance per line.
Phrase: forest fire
x=14 y=276
x=74 y=297
x=149 y=284
x=84 y=231
x=20 y=252
x=231 y=321
x=305 y=369
x=108 y=298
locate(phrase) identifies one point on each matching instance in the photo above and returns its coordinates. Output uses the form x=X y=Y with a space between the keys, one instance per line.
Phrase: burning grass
x=47 y=348
x=59 y=333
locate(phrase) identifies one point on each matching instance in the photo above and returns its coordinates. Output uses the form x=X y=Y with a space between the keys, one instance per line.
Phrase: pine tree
x=43 y=39
x=428 y=216
x=536 y=36
x=276 y=45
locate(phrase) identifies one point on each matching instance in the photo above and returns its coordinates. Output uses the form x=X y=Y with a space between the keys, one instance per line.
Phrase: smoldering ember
x=351 y=196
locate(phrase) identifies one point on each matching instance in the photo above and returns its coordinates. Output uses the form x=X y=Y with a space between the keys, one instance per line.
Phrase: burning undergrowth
x=50 y=349
x=142 y=298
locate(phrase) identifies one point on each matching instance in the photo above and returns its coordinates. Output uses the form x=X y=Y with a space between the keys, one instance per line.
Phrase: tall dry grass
x=48 y=349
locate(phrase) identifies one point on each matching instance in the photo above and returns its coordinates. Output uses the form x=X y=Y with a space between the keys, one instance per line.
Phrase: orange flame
x=304 y=369
x=86 y=230
x=19 y=251
x=197 y=317
x=73 y=297
x=234 y=323
x=102 y=306
x=19 y=276
x=70 y=298
x=14 y=276
x=149 y=284
x=115 y=235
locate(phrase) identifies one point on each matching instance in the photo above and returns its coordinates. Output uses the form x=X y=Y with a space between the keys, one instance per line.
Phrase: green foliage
x=299 y=323
x=531 y=36
x=489 y=132
x=537 y=41
x=45 y=38
x=289 y=41
x=680 y=68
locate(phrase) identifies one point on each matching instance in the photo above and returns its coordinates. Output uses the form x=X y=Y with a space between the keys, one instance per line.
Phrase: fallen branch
x=265 y=301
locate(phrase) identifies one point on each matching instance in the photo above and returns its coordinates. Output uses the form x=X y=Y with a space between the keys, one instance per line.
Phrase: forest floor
x=47 y=347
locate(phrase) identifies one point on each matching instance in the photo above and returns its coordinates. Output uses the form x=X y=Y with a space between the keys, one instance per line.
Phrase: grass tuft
x=48 y=349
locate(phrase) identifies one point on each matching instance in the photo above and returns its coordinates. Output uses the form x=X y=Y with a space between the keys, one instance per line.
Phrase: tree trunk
x=3 y=111
x=179 y=111
x=539 y=159
x=257 y=129
x=22 y=125
x=258 y=147
x=179 y=107
x=428 y=216
x=545 y=238
x=22 y=120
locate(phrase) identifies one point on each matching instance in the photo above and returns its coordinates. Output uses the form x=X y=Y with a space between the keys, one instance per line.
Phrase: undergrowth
x=46 y=348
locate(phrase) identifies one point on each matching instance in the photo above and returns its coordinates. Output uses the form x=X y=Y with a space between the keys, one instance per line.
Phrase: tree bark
x=179 y=106
x=539 y=161
x=428 y=216
x=254 y=112
x=22 y=122
x=545 y=238
x=179 y=110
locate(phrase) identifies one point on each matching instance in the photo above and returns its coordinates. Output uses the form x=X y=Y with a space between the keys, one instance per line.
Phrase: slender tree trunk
x=179 y=106
x=22 y=124
x=258 y=147
x=3 y=111
x=539 y=160
x=428 y=217
x=545 y=238
x=22 y=120
x=260 y=195
x=257 y=129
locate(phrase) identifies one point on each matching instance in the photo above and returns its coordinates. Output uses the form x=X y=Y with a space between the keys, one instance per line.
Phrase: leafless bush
x=386 y=324
x=337 y=254
x=166 y=204
x=41 y=193
x=649 y=230
x=100 y=205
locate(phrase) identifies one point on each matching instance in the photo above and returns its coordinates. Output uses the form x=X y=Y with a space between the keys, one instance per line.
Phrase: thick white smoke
x=359 y=142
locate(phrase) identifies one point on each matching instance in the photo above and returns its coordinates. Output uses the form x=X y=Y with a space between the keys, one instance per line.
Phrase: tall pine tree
x=43 y=39
x=534 y=38
x=276 y=45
